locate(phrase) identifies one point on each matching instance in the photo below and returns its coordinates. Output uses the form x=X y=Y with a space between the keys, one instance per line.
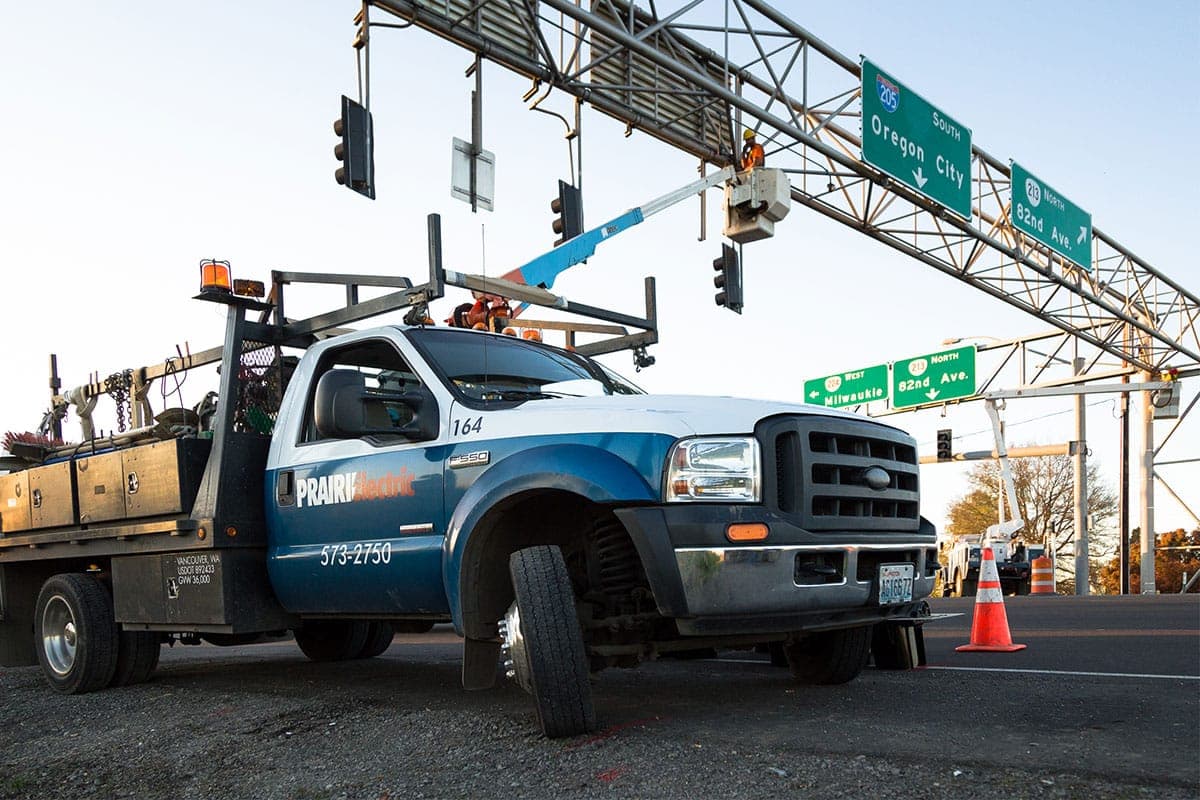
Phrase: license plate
x=895 y=584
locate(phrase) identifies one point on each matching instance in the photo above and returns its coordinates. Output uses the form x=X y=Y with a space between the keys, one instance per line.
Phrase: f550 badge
x=476 y=459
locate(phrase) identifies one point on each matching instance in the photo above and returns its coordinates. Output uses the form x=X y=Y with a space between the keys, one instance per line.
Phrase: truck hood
x=674 y=415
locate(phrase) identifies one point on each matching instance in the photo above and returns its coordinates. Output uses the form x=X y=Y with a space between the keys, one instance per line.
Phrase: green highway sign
x=848 y=388
x=915 y=142
x=1046 y=216
x=934 y=378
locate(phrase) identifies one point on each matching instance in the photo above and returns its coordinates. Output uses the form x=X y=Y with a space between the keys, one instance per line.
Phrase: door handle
x=285 y=488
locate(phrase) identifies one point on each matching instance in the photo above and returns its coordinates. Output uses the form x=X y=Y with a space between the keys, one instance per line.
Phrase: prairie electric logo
x=351 y=487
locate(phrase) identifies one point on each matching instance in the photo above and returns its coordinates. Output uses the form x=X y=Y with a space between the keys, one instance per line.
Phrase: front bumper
x=794 y=580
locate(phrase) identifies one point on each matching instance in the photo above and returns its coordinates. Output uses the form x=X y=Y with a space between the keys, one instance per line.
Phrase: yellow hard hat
x=749 y=134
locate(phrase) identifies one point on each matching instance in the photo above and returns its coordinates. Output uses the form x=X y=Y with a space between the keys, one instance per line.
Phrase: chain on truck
x=403 y=476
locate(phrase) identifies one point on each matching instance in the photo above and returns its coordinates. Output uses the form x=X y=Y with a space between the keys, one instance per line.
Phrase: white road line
x=765 y=663
x=1069 y=672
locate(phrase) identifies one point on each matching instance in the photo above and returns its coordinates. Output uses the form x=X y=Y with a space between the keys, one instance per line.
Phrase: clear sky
x=141 y=137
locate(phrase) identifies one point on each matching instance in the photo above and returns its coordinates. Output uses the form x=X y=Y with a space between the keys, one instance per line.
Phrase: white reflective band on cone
x=989 y=596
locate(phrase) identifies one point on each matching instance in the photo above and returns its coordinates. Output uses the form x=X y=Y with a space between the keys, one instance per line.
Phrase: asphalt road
x=1103 y=703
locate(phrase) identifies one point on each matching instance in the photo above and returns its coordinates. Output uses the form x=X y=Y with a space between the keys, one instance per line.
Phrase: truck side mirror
x=344 y=408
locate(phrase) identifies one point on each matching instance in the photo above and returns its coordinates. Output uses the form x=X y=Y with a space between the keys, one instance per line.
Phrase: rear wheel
x=970 y=588
x=75 y=633
x=829 y=657
x=379 y=639
x=543 y=642
x=332 y=640
x=137 y=657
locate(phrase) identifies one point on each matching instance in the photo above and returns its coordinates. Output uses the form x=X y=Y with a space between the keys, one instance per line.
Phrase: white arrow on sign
x=1082 y=235
x=813 y=393
x=932 y=394
x=919 y=175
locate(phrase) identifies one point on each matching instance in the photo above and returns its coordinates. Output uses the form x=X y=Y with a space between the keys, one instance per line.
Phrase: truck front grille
x=820 y=473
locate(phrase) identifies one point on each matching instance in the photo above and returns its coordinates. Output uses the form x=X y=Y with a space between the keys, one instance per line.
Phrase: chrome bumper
x=723 y=581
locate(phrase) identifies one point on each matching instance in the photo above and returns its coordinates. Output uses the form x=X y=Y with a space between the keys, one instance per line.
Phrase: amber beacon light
x=215 y=276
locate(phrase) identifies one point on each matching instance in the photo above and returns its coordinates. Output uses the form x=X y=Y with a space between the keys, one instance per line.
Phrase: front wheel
x=76 y=634
x=543 y=643
x=829 y=657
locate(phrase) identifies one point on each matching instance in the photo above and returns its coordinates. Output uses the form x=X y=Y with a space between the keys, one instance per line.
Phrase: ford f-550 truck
x=407 y=475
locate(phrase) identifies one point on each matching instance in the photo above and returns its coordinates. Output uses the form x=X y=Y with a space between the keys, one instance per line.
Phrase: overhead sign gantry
x=675 y=77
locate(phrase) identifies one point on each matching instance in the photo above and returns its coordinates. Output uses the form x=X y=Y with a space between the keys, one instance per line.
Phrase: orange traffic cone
x=989 y=628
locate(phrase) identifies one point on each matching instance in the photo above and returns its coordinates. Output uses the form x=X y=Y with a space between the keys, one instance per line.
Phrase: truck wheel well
x=531 y=518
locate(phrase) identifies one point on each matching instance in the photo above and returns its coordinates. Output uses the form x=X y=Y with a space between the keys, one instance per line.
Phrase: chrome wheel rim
x=512 y=645
x=59 y=635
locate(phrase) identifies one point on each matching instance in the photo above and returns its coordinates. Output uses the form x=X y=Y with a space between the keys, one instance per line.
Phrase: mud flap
x=898 y=646
x=480 y=659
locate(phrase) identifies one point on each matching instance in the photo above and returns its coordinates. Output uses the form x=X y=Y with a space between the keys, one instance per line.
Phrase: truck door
x=359 y=522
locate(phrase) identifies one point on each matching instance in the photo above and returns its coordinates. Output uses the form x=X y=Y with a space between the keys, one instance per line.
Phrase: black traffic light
x=356 y=150
x=945 y=450
x=728 y=279
x=569 y=208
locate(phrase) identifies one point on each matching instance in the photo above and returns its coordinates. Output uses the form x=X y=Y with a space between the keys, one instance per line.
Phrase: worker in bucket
x=752 y=152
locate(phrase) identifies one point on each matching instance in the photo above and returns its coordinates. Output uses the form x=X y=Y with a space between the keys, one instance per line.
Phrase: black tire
x=412 y=626
x=778 y=655
x=75 y=633
x=830 y=657
x=556 y=660
x=137 y=657
x=332 y=640
x=379 y=639
x=970 y=588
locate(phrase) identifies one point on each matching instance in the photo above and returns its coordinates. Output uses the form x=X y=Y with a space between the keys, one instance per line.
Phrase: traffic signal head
x=945 y=450
x=569 y=208
x=728 y=279
x=355 y=149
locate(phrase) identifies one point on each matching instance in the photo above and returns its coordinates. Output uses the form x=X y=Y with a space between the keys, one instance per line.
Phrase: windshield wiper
x=517 y=394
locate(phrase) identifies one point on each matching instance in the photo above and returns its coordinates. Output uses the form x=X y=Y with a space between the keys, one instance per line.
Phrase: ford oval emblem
x=877 y=478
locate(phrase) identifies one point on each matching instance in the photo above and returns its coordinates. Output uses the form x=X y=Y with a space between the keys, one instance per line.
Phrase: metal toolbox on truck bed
x=101 y=487
x=52 y=496
x=14 y=502
x=145 y=481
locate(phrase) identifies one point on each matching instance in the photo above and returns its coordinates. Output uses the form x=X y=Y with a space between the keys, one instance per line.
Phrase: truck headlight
x=725 y=469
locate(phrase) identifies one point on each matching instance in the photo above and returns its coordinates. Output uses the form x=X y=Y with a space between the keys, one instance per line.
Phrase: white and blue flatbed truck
x=393 y=478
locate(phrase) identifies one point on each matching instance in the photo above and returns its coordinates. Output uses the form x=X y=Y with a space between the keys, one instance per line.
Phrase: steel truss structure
x=694 y=75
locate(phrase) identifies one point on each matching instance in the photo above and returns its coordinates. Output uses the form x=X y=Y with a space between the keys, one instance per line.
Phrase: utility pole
x=1079 y=446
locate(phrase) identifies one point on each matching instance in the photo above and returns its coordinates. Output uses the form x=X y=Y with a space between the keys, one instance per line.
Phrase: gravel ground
x=264 y=723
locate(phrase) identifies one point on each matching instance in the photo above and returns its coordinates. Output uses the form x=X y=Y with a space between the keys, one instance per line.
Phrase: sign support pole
x=1147 y=490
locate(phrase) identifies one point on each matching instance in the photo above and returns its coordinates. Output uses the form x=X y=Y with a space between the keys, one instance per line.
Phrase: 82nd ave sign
x=1046 y=216
x=934 y=378
x=915 y=142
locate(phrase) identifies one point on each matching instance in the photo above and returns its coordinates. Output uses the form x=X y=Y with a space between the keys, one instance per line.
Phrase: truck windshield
x=487 y=367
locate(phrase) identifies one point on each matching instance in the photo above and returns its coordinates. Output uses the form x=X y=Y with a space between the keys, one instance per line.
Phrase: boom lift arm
x=543 y=270
x=1003 y=531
